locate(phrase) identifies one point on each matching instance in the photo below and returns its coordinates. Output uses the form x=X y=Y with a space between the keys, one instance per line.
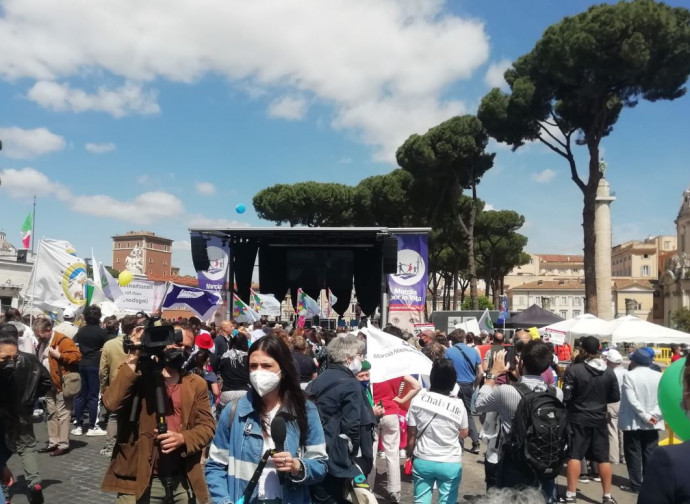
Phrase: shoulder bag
x=71 y=381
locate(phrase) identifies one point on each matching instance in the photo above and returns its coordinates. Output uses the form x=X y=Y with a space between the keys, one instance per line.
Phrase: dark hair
x=536 y=357
x=395 y=331
x=194 y=321
x=112 y=325
x=239 y=342
x=92 y=315
x=291 y=395
x=12 y=314
x=457 y=336
x=469 y=338
x=442 y=377
x=129 y=322
x=442 y=339
x=6 y=339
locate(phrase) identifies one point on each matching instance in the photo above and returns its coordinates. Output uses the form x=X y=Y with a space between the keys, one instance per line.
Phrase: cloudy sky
x=166 y=114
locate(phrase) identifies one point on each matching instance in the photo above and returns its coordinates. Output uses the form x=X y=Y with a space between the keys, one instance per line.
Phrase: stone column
x=602 y=249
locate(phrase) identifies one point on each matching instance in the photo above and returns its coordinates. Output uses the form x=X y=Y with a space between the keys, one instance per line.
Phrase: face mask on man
x=264 y=382
x=355 y=366
x=365 y=384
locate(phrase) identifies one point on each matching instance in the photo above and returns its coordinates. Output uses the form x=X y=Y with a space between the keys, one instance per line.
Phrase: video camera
x=154 y=339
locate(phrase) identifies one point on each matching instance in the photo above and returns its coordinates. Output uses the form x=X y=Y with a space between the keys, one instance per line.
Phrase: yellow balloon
x=125 y=278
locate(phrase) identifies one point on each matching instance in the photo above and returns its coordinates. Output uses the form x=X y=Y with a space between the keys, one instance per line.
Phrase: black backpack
x=539 y=434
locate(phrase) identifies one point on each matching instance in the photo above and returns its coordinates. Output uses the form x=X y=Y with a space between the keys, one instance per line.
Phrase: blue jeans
x=446 y=475
x=88 y=396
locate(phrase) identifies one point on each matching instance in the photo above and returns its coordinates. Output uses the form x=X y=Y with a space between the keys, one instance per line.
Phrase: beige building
x=14 y=274
x=566 y=298
x=674 y=285
x=547 y=267
x=640 y=259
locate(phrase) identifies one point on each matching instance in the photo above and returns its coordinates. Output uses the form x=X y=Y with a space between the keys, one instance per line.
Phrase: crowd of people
x=269 y=414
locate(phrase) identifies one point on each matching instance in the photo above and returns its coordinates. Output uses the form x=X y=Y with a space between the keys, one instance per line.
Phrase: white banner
x=58 y=277
x=555 y=337
x=391 y=357
x=141 y=295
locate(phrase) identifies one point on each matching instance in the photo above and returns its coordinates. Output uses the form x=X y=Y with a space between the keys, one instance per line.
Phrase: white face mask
x=264 y=381
x=355 y=366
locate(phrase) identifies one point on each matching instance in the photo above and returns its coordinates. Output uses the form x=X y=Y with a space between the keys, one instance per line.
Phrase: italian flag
x=27 y=229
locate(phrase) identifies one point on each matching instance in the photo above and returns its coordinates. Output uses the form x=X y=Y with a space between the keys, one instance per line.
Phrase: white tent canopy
x=582 y=325
x=631 y=329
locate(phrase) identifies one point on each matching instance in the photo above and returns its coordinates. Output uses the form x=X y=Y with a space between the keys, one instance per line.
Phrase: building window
x=150 y=271
x=576 y=301
x=564 y=301
x=118 y=260
x=667 y=245
x=576 y=313
x=645 y=271
x=564 y=314
x=646 y=256
x=150 y=261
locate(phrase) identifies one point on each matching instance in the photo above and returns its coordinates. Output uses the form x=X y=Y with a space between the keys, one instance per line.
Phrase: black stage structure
x=311 y=258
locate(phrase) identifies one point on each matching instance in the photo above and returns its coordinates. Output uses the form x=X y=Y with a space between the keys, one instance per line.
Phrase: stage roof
x=307 y=236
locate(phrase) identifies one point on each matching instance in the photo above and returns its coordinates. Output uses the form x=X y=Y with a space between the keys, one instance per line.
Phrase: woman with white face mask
x=243 y=434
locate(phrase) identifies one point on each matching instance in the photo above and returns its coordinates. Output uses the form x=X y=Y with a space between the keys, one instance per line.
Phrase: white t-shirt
x=440 y=437
x=269 y=484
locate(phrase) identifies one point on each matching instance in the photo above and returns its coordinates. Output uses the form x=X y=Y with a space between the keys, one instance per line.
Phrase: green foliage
x=306 y=204
x=499 y=247
x=586 y=68
x=484 y=302
x=681 y=319
x=385 y=200
x=571 y=88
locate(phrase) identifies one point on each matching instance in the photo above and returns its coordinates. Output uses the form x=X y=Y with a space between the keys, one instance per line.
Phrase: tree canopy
x=571 y=88
x=447 y=159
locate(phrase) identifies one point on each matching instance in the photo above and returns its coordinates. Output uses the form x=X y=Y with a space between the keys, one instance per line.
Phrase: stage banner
x=214 y=279
x=408 y=285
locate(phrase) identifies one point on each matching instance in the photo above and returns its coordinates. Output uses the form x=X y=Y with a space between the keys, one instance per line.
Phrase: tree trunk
x=589 y=251
x=455 y=291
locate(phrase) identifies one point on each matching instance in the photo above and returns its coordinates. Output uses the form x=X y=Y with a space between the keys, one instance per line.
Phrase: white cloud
x=205 y=188
x=383 y=66
x=126 y=100
x=494 y=74
x=28 y=182
x=182 y=246
x=201 y=221
x=100 y=148
x=288 y=107
x=21 y=143
x=145 y=208
x=489 y=206
x=543 y=177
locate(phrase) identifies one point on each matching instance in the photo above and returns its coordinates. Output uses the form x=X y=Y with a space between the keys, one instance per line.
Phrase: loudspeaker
x=199 y=253
x=21 y=256
x=390 y=254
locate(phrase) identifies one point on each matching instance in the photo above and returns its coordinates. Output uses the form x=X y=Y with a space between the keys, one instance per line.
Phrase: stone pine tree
x=450 y=158
x=571 y=88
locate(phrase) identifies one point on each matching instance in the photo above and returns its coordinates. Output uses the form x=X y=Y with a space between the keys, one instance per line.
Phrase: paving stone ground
x=75 y=478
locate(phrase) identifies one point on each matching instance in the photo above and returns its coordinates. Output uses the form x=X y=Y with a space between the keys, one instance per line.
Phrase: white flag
x=307 y=306
x=391 y=357
x=485 y=322
x=265 y=304
x=58 y=278
x=331 y=301
x=110 y=287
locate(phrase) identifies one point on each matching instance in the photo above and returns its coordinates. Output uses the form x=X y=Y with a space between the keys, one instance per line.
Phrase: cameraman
x=148 y=467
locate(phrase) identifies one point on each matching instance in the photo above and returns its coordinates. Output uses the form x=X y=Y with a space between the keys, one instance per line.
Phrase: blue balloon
x=240 y=208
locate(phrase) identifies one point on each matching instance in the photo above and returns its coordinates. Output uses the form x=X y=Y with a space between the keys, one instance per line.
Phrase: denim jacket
x=237 y=449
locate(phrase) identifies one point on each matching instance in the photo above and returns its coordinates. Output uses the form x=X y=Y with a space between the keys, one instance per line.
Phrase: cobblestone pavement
x=75 y=478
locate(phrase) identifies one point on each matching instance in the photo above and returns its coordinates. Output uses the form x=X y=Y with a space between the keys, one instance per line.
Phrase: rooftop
x=561 y=258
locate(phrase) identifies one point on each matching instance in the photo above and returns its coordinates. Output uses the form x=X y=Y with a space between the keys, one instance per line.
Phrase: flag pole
x=33 y=227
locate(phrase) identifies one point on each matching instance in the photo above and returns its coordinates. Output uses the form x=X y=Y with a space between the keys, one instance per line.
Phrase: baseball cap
x=590 y=344
x=614 y=356
x=366 y=365
x=68 y=314
x=204 y=340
